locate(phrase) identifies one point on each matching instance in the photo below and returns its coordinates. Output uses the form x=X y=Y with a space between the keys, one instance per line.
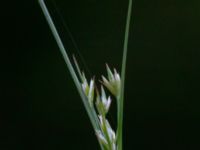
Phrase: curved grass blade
x=92 y=115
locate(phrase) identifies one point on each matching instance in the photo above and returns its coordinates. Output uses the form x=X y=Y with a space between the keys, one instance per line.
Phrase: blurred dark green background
x=40 y=107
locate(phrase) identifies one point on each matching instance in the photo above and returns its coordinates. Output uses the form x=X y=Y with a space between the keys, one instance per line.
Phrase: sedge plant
x=95 y=100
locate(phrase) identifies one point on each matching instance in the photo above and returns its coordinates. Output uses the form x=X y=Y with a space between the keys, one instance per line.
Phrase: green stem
x=120 y=104
x=91 y=113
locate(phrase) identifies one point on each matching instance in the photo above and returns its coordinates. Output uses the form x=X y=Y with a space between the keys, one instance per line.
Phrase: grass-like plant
x=96 y=102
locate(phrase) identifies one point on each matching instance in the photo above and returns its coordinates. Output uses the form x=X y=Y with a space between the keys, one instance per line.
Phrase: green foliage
x=106 y=136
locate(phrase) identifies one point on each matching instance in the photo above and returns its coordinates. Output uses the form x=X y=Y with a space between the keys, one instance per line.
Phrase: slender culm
x=68 y=63
x=123 y=71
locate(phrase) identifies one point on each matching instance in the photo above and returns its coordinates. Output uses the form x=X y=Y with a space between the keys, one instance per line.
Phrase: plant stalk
x=92 y=115
x=120 y=104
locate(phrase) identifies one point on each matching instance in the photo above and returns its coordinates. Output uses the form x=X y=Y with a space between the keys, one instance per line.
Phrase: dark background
x=40 y=107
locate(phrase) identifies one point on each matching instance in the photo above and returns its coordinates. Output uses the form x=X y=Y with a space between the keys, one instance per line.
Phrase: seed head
x=103 y=103
x=88 y=90
x=113 y=82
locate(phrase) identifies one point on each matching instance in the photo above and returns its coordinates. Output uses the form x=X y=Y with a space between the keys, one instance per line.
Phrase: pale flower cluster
x=106 y=135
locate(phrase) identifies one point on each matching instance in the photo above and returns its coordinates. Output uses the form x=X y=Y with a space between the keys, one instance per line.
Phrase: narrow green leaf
x=91 y=113
x=120 y=104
